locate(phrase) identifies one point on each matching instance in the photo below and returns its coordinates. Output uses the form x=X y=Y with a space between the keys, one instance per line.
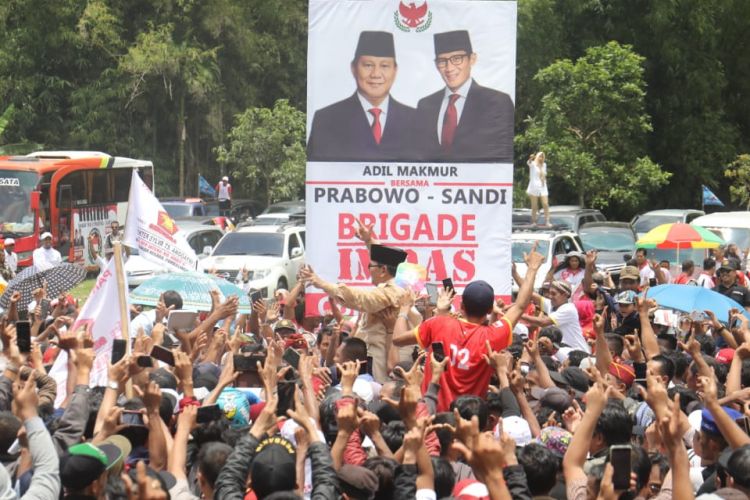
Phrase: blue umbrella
x=689 y=298
x=194 y=288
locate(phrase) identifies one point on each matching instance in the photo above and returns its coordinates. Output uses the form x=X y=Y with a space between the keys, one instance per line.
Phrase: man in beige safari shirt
x=372 y=303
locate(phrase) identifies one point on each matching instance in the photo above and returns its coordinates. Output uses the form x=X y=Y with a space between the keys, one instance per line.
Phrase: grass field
x=81 y=292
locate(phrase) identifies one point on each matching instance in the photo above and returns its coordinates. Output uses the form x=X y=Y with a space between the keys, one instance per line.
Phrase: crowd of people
x=577 y=390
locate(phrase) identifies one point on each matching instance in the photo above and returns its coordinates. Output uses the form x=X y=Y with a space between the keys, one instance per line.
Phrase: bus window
x=99 y=187
x=77 y=183
x=121 y=179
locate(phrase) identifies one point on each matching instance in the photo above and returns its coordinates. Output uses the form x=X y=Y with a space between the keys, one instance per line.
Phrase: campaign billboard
x=410 y=127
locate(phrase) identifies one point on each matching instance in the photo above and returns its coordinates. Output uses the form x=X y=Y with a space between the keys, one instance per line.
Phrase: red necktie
x=450 y=122
x=377 y=132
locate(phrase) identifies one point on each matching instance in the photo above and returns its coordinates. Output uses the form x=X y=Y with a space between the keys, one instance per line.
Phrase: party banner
x=151 y=230
x=410 y=130
x=100 y=315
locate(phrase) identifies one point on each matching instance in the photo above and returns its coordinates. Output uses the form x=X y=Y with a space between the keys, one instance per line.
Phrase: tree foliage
x=738 y=172
x=154 y=79
x=266 y=148
x=592 y=124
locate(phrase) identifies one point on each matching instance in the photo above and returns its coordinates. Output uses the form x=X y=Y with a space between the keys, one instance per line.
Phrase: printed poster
x=91 y=226
x=410 y=128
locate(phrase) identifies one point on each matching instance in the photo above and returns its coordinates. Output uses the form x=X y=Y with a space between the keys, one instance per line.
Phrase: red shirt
x=465 y=344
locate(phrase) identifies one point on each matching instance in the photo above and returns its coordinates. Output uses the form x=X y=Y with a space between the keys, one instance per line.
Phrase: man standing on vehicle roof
x=373 y=303
x=224 y=192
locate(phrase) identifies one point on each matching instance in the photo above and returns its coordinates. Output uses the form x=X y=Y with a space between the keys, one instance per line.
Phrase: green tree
x=738 y=172
x=593 y=126
x=266 y=148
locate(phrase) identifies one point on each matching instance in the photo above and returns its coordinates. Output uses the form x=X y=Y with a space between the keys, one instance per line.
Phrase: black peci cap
x=375 y=43
x=387 y=256
x=451 y=41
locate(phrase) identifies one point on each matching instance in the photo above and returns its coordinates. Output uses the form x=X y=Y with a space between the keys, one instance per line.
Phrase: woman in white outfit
x=538 y=186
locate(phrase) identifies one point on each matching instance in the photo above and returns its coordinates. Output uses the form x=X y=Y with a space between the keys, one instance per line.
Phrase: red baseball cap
x=725 y=355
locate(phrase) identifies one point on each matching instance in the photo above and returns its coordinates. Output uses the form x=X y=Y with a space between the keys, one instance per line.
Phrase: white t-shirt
x=46 y=258
x=12 y=260
x=566 y=319
x=705 y=280
x=646 y=274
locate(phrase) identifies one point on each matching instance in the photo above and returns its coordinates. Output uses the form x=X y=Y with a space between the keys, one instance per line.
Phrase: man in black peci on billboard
x=370 y=124
x=465 y=121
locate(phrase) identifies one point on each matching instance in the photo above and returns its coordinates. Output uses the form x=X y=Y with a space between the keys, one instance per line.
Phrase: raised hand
x=533 y=259
x=346 y=416
x=349 y=371
x=364 y=231
x=444 y=299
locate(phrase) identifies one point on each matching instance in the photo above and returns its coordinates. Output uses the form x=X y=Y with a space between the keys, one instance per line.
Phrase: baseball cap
x=9 y=241
x=728 y=264
x=273 y=468
x=166 y=480
x=556 y=399
x=625 y=373
x=45 y=235
x=576 y=378
x=630 y=273
x=708 y=424
x=470 y=489
x=116 y=447
x=626 y=297
x=517 y=428
x=479 y=295
x=725 y=355
x=225 y=178
x=84 y=463
x=285 y=324
x=235 y=406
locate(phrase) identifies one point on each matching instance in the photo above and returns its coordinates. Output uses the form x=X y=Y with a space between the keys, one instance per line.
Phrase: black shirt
x=738 y=293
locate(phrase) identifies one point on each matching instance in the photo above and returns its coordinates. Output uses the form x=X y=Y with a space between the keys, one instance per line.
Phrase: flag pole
x=123 y=305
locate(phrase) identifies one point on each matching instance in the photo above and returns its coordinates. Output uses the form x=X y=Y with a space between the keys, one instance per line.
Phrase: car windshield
x=283 y=209
x=176 y=210
x=270 y=244
x=16 y=217
x=270 y=221
x=740 y=236
x=564 y=221
x=212 y=209
x=520 y=247
x=646 y=223
x=607 y=239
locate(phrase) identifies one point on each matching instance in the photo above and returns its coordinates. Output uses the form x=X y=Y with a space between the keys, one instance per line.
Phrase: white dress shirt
x=383 y=106
x=462 y=91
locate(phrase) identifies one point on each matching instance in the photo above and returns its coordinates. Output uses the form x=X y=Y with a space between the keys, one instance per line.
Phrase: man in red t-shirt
x=465 y=340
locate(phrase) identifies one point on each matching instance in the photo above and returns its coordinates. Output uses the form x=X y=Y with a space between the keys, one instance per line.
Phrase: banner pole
x=123 y=305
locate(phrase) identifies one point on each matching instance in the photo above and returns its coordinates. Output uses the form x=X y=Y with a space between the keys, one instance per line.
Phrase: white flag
x=151 y=230
x=100 y=314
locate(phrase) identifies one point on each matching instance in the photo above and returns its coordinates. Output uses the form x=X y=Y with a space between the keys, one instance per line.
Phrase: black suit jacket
x=342 y=132
x=485 y=128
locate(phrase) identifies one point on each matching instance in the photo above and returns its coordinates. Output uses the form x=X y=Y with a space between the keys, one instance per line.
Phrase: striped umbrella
x=678 y=236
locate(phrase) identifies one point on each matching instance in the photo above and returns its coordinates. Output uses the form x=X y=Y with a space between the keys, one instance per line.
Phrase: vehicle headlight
x=261 y=273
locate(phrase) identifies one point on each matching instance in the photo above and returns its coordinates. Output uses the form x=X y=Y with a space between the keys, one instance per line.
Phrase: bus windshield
x=16 y=217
